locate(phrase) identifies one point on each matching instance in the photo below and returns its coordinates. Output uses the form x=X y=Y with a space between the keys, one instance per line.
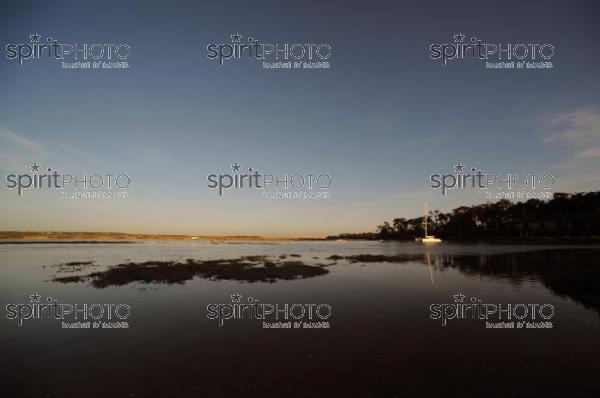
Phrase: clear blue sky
x=382 y=119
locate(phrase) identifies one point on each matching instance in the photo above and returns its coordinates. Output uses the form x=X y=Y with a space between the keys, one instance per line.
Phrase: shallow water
x=382 y=340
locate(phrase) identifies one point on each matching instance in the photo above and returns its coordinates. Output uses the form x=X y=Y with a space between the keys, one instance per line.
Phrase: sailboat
x=427 y=238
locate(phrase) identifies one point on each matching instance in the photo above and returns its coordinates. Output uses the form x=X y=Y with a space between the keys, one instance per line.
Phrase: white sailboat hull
x=431 y=239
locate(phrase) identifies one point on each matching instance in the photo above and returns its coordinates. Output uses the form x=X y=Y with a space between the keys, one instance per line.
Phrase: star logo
x=235 y=167
x=35 y=298
x=35 y=167
x=459 y=38
x=459 y=167
x=459 y=298
x=35 y=38
x=235 y=38
x=235 y=298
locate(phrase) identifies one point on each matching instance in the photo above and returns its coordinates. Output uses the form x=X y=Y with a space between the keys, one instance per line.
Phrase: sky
x=379 y=121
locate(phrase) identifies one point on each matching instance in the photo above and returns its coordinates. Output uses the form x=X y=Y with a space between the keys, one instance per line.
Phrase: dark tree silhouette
x=564 y=216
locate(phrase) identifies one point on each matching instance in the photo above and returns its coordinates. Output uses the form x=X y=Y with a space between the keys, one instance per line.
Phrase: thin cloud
x=578 y=132
x=588 y=153
x=21 y=141
x=9 y=162
x=577 y=128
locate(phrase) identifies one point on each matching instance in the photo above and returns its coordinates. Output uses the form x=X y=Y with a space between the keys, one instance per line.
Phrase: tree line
x=566 y=215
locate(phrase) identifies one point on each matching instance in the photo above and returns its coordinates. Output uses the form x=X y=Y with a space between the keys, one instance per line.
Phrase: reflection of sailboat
x=428 y=257
x=427 y=238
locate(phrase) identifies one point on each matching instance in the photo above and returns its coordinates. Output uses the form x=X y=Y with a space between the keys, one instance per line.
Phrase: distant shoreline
x=95 y=237
x=30 y=237
x=63 y=242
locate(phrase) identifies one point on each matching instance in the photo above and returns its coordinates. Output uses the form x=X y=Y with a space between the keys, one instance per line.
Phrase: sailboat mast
x=425 y=220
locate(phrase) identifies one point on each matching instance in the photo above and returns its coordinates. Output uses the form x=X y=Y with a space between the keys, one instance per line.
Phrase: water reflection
x=567 y=273
x=572 y=273
x=382 y=341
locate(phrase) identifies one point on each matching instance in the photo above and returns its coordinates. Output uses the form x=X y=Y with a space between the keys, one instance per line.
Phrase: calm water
x=382 y=340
